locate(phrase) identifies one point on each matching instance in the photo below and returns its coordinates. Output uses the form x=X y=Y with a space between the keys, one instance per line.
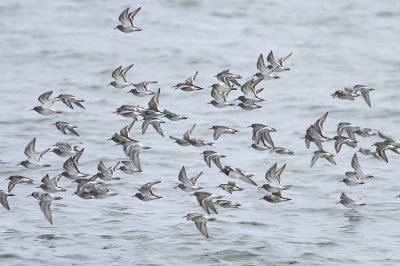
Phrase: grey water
x=71 y=47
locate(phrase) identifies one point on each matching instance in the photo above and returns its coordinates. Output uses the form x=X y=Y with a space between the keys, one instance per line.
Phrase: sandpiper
x=146 y=193
x=45 y=200
x=126 y=20
x=200 y=220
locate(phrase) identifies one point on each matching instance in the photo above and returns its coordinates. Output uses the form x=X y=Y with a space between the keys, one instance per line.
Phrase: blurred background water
x=71 y=47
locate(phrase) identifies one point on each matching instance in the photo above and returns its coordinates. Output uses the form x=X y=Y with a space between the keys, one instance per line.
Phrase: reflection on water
x=353 y=218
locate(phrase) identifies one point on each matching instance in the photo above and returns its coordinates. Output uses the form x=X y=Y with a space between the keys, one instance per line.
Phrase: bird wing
x=218 y=96
x=265 y=136
x=194 y=178
x=342 y=126
x=60 y=126
x=117 y=75
x=261 y=65
x=315 y=158
x=103 y=169
x=346 y=198
x=45 y=207
x=338 y=144
x=154 y=101
x=79 y=104
x=4 y=202
x=146 y=188
x=112 y=168
x=319 y=124
x=77 y=156
x=319 y=145
x=183 y=177
x=187 y=135
x=279 y=172
x=145 y=125
x=72 y=130
x=207 y=158
x=124 y=18
x=125 y=132
x=271 y=174
x=356 y=165
x=217 y=162
x=365 y=95
x=385 y=137
x=67 y=102
x=13 y=182
x=222 y=75
x=283 y=59
x=133 y=14
x=46 y=180
x=135 y=159
x=70 y=166
x=40 y=154
x=271 y=59
x=350 y=133
x=248 y=89
x=249 y=180
x=126 y=69
x=55 y=180
x=382 y=154
x=201 y=226
x=30 y=151
x=257 y=135
x=157 y=127
x=201 y=196
x=208 y=202
x=190 y=80
x=331 y=160
x=218 y=131
x=44 y=99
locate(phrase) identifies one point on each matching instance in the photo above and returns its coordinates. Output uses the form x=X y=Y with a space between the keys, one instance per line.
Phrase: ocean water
x=71 y=47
